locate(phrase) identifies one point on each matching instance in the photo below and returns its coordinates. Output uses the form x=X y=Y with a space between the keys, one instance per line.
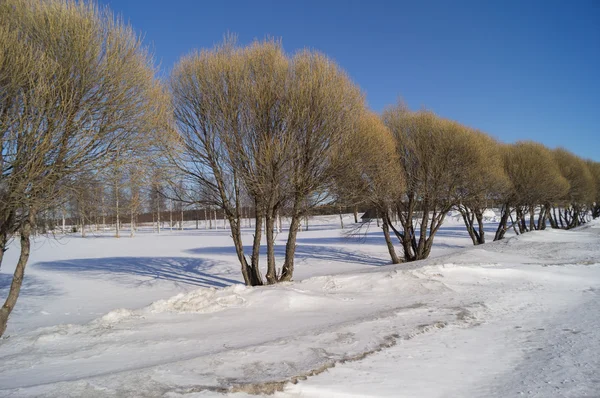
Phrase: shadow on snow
x=303 y=252
x=188 y=270
x=32 y=286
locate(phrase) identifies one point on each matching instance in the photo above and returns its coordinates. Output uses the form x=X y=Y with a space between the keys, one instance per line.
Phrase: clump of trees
x=594 y=168
x=571 y=209
x=77 y=88
x=536 y=183
x=369 y=171
x=256 y=123
x=416 y=167
x=242 y=131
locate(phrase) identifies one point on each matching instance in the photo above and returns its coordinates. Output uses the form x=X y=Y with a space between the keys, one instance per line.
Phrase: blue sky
x=515 y=69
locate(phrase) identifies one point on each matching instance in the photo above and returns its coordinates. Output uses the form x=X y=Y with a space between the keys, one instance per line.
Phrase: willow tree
x=76 y=86
x=208 y=102
x=571 y=209
x=326 y=105
x=369 y=172
x=260 y=148
x=484 y=182
x=435 y=155
x=254 y=122
x=536 y=181
x=594 y=168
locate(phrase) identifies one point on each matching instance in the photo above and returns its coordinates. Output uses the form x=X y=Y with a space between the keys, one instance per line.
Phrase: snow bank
x=516 y=316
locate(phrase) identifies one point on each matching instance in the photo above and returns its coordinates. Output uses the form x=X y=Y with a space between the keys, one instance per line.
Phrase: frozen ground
x=166 y=316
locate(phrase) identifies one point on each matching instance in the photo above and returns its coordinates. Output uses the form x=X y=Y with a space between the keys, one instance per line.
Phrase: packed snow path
x=517 y=317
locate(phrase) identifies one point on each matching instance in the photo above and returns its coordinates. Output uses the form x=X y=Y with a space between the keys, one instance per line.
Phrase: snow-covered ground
x=167 y=316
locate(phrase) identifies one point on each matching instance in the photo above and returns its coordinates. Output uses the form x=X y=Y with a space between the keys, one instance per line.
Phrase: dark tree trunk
x=552 y=218
x=468 y=217
x=271 y=266
x=287 y=271
x=531 y=218
x=388 y=240
x=355 y=215
x=481 y=234
x=17 y=281
x=503 y=225
x=596 y=211
x=3 y=244
x=256 y=245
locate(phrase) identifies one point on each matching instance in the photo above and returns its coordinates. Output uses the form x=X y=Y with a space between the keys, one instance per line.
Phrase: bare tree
x=76 y=85
x=207 y=103
x=571 y=209
x=535 y=182
x=594 y=168
x=434 y=154
x=255 y=123
x=369 y=172
x=483 y=183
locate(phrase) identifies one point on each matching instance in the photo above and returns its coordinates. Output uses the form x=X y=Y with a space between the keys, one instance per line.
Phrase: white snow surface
x=166 y=316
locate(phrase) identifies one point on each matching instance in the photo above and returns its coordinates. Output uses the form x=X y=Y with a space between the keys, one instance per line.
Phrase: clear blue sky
x=515 y=69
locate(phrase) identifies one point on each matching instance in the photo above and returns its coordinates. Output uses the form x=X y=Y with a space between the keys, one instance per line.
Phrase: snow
x=166 y=316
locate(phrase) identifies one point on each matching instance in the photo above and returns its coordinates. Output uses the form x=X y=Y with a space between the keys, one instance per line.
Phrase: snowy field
x=167 y=316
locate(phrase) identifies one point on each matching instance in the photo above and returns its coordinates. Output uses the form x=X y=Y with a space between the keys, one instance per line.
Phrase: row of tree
x=86 y=128
x=420 y=166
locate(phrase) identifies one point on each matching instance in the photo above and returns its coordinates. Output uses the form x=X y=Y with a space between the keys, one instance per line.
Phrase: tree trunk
x=503 y=225
x=355 y=215
x=239 y=249
x=552 y=218
x=287 y=271
x=255 y=260
x=532 y=218
x=481 y=235
x=469 y=221
x=388 y=240
x=158 y=218
x=118 y=235
x=3 y=243
x=132 y=232
x=17 y=281
x=341 y=217
x=271 y=266
x=171 y=215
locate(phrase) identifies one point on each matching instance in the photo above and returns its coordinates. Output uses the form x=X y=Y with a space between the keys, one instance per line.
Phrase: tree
x=76 y=86
x=253 y=122
x=536 y=182
x=594 y=168
x=482 y=184
x=434 y=154
x=326 y=107
x=368 y=171
x=572 y=207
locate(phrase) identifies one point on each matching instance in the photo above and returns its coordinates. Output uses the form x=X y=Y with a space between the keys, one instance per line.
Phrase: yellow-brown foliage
x=534 y=174
x=577 y=173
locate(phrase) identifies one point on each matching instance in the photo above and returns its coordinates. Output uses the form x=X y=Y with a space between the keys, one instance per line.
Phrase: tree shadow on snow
x=314 y=252
x=32 y=286
x=187 y=270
